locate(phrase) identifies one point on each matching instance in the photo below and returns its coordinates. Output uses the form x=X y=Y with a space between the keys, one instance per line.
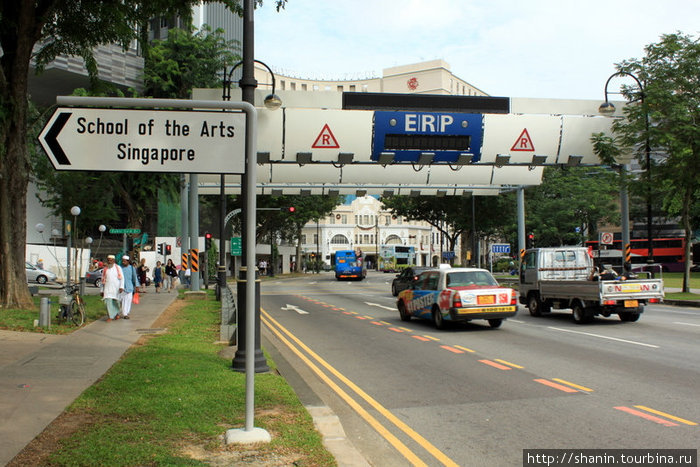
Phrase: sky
x=563 y=49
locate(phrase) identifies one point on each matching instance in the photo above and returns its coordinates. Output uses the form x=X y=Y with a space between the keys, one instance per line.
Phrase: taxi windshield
x=467 y=278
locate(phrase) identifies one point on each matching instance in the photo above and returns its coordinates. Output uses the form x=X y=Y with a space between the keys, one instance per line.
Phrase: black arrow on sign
x=52 y=138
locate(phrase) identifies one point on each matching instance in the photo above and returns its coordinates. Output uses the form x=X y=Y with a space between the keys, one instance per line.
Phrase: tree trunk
x=14 y=160
x=685 y=216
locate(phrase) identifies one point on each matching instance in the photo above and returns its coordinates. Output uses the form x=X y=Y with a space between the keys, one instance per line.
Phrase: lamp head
x=75 y=210
x=606 y=108
x=273 y=102
x=88 y=240
x=102 y=227
x=39 y=227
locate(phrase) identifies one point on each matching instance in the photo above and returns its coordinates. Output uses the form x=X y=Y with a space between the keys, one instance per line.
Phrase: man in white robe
x=112 y=286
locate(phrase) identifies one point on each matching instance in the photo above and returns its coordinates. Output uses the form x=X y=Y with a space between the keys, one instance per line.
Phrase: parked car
x=42 y=276
x=404 y=280
x=94 y=277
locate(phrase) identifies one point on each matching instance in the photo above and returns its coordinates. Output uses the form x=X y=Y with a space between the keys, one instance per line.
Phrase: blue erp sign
x=409 y=134
x=500 y=248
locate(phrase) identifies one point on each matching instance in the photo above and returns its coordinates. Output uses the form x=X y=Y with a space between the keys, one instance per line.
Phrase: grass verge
x=23 y=320
x=171 y=398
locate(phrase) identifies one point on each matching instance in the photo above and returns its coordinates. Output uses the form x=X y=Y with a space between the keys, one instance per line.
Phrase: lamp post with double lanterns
x=607 y=108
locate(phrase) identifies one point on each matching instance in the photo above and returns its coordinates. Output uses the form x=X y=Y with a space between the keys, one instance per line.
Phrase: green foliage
x=184 y=61
x=569 y=198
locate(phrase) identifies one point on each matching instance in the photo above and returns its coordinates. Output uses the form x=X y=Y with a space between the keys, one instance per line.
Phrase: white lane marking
x=686 y=324
x=605 y=337
x=294 y=308
x=381 y=306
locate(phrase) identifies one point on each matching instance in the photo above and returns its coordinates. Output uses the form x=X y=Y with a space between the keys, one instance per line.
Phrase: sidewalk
x=42 y=374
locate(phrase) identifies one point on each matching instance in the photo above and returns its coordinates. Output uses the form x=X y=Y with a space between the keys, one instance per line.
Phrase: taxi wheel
x=495 y=323
x=403 y=313
x=438 y=319
x=394 y=292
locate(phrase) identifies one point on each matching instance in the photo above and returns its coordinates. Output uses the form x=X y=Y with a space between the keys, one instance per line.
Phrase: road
x=408 y=394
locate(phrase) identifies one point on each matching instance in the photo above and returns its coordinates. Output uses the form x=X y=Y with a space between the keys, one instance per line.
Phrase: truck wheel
x=495 y=323
x=533 y=304
x=438 y=319
x=580 y=314
x=628 y=316
x=403 y=313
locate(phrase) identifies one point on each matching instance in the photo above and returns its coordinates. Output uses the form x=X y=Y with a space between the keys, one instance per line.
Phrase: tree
x=56 y=27
x=670 y=72
x=571 y=198
x=452 y=215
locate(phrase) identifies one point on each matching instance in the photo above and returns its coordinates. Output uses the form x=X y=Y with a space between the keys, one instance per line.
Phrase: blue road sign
x=409 y=134
x=500 y=248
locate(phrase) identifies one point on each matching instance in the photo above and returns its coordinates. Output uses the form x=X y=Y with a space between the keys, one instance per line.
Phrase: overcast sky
x=539 y=48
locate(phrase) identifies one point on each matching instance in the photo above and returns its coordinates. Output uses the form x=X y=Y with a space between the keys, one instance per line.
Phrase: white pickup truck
x=562 y=278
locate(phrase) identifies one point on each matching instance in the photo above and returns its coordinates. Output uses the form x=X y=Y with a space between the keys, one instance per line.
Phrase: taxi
x=457 y=295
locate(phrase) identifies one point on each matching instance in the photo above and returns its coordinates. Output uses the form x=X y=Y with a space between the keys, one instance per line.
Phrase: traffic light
x=168 y=250
x=531 y=240
x=290 y=209
x=160 y=248
x=207 y=241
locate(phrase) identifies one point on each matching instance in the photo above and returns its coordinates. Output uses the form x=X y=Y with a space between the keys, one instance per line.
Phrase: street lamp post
x=75 y=211
x=247 y=84
x=607 y=108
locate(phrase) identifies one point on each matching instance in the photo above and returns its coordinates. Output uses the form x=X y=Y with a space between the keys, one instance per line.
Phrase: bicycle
x=72 y=306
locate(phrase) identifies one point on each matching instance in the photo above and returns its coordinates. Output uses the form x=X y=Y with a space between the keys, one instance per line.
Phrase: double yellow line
x=280 y=331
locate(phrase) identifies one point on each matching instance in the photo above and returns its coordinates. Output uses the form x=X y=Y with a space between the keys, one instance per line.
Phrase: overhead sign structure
x=128 y=140
x=410 y=134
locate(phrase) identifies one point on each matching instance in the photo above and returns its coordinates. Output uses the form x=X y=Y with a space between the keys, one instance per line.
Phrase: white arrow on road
x=380 y=306
x=294 y=308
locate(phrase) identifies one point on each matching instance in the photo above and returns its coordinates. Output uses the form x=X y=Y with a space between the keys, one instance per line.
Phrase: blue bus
x=349 y=266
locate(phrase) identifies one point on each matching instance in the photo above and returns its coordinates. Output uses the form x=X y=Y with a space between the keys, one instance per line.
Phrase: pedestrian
x=40 y=264
x=171 y=275
x=158 y=276
x=112 y=285
x=143 y=273
x=131 y=284
x=188 y=276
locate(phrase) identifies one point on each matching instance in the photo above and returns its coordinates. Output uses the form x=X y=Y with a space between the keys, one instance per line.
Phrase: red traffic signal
x=168 y=249
x=290 y=209
x=207 y=235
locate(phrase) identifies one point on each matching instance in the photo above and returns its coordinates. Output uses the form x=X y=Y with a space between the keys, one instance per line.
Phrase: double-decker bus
x=395 y=258
x=349 y=266
x=668 y=252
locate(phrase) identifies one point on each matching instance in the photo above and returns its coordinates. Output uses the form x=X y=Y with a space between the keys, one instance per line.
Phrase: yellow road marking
x=663 y=414
x=432 y=338
x=568 y=383
x=508 y=363
x=463 y=348
x=427 y=445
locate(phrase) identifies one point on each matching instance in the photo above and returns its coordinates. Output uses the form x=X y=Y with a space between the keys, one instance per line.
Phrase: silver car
x=41 y=276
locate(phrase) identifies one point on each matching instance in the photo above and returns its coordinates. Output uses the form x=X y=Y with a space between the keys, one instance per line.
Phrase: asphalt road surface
x=408 y=394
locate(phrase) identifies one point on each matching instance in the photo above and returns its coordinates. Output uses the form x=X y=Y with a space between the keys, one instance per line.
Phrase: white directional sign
x=145 y=140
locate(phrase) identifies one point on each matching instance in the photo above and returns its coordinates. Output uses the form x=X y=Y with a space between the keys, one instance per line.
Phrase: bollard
x=45 y=312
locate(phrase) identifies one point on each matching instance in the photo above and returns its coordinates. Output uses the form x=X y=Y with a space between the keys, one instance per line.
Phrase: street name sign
x=503 y=248
x=130 y=140
x=125 y=231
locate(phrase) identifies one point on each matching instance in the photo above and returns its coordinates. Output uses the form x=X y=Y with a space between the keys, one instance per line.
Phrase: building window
x=339 y=240
x=293 y=86
x=282 y=84
x=352 y=88
x=303 y=87
x=365 y=88
x=316 y=239
x=344 y=218
x=315 y=87
x=332 y=219
x=303 y=239
x=340 y=89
